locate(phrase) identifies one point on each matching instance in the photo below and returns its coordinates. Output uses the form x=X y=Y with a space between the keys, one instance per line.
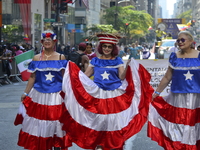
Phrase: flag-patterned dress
x=106 y=111
x=174 y=120
x=40 y=112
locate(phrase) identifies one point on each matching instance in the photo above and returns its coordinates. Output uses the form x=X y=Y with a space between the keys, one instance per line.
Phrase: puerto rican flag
x=93 y=116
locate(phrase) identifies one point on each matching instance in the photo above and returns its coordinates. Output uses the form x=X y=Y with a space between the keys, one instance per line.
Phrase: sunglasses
x=47 y=40
x=107 y=46
x=180 y=40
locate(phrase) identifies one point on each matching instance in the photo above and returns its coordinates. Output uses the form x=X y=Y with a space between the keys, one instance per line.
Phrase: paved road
x=9 y=102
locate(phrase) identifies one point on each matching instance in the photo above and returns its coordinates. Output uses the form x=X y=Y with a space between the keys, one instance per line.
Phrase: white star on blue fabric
x=188 y=75
x=49 y=76
x=105 y=75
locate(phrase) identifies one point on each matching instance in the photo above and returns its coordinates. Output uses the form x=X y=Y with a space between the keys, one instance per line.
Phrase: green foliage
x=12 y=33
x=94 y=29
x=139 y=21
x=187 y=15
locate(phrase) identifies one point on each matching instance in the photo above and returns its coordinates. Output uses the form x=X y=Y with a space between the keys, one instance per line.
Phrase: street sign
x=172 y=27
x=49 y=20
x=57 y=24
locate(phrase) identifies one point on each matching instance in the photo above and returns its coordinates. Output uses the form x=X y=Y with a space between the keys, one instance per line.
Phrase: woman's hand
x=155 y=94
x=128 y=62
x=22 y=97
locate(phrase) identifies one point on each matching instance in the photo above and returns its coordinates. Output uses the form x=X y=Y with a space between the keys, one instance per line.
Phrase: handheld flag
x=22 y=61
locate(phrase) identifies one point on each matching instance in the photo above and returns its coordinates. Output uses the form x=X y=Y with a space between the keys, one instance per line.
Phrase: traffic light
x=63 y=6
x=86 y=40
x=127 y=24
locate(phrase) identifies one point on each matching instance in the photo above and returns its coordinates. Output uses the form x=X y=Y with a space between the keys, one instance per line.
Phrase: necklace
x=47 y=56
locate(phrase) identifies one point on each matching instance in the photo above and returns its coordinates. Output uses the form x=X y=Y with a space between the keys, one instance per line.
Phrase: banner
x=22 y=1
x=157 y=68
x=22 y=61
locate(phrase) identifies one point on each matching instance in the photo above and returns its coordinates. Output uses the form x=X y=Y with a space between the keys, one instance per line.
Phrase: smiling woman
x=175 y=118
x=109 y=109
x=41 y=101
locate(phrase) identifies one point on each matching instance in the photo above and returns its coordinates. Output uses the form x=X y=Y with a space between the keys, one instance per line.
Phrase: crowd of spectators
x=7 y=53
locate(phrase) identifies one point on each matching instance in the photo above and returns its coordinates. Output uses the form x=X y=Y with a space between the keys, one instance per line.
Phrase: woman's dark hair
x=89 y=44
x=114 y=52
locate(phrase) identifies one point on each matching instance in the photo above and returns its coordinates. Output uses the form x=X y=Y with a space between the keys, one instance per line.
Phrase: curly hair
x=114 y=52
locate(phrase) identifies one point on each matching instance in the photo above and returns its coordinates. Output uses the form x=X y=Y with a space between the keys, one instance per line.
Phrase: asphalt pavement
x=9 y=103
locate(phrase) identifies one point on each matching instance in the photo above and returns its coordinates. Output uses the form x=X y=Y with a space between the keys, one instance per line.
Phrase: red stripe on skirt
x=176 y=115
x=157 y=135
x=42 y=112
x=40 y=143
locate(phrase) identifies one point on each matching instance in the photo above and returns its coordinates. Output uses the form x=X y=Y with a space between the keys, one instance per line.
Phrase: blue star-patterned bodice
x=106 y=73
x=48 y=75
x=186 y=73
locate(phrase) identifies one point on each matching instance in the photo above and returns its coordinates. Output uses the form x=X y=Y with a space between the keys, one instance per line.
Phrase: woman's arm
x=122 y=71
x=85 y=62
x=164 y=82
x=29 y=86
x=89 y=71
x=31 y=81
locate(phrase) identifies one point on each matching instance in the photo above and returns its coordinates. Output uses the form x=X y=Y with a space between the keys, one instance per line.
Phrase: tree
x=138 y=21
x=187 y=15
x=94 y=29
x=12 y=33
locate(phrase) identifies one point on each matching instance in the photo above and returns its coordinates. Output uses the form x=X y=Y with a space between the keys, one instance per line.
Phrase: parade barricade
x=14 y=72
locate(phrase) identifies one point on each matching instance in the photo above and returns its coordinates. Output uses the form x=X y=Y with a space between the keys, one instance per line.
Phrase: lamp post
x=116 y=14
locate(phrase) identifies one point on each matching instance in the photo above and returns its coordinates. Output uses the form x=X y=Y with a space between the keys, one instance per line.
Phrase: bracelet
x=157 y=92
x=25 y=94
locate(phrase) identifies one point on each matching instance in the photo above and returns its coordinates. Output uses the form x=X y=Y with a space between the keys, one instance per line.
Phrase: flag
x=68 y=1
x=85 y=2
x=22 y=1
x=22 y=61
x=183 y=27
x=104 y=116
x=26 y=37
x=150 y=28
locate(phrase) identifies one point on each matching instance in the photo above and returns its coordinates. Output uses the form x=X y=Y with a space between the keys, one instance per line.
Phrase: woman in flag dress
x=41 y=106
x=174 y=120
x=110 y=109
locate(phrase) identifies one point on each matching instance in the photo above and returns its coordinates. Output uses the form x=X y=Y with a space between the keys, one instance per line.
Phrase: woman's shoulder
x=37 y=57
x=56 y=64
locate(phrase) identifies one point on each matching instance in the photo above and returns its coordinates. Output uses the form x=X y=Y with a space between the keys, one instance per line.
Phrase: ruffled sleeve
x=172 y=59
x=104 y=62
x=48 y=65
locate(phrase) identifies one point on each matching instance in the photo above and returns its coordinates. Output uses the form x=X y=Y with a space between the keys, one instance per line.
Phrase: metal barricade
x=14 y=72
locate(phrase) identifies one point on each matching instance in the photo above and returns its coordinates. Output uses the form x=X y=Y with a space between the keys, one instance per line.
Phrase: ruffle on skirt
x=174 y=121
x=39 y=115
x=93 y=116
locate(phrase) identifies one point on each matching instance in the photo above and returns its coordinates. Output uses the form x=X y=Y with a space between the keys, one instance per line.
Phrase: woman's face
x=184 y=42
x=48 y=43
x=107 y=48
x=89 y=49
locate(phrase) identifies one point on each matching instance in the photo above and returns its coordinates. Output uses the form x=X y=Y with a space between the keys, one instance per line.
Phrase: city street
x=9 y=102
